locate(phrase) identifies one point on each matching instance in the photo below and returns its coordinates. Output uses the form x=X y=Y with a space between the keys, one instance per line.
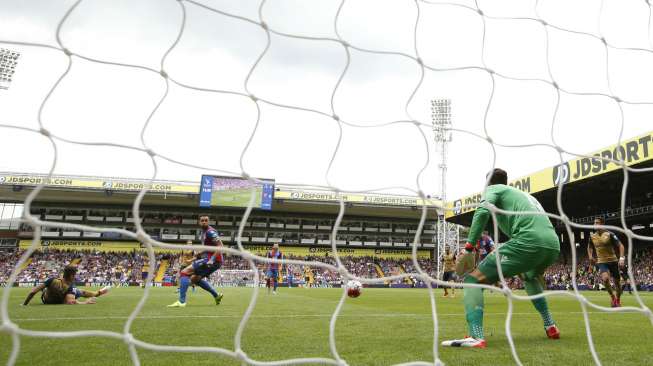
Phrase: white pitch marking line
x=298 y=316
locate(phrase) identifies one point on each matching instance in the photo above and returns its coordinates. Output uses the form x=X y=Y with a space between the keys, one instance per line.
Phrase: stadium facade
x=301 y=220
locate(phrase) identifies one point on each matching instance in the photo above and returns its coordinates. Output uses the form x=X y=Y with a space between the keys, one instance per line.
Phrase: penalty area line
x=388 y=315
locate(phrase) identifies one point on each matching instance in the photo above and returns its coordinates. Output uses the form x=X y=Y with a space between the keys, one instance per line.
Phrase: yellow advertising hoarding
x=633 y=151
x=326 y=196
x=171 y=187
x=343 y=252
x=127 y=246
x=97 y=183
x=94 y=245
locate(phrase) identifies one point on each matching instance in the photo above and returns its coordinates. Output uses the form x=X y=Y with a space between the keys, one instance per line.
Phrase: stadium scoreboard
x=217 y=191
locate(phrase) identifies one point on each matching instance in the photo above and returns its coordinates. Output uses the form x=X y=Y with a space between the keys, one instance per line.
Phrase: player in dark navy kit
x=204 y=266
x=62 y=290
x=273 y=269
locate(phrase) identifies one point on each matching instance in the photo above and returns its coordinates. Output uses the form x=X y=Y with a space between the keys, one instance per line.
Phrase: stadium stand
x=301 y=223
x=101 y=268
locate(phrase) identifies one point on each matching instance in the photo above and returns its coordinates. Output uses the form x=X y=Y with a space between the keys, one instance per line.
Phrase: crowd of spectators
x=94 y=267
x=41 y=265
x=127 y=267
x=558 y=276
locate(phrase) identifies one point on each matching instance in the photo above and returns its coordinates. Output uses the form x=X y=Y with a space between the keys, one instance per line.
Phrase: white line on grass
x=295 y=316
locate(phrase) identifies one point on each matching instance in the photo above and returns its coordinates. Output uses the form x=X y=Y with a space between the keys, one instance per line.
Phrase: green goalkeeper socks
x=474 y=305
x=473 y=301
x=534 y=287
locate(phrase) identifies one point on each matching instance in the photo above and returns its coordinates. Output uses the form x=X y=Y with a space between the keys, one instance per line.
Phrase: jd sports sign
x=632 y=151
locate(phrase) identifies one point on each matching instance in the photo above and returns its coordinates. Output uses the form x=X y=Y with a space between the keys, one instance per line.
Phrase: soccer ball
x=354 y=288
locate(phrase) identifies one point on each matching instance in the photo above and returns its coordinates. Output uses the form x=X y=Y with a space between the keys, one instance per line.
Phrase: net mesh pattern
x=238 y=353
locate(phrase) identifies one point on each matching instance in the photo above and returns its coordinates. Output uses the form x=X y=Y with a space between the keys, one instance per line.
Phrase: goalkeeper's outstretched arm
x=33 y=292
x=481 y=217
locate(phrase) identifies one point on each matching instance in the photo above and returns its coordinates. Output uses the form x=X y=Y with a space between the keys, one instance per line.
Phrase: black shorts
x=612 y=267
x=449 y=276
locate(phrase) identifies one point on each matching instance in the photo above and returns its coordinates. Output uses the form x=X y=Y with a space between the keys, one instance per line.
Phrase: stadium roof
x=587 y=181
x=14 y=187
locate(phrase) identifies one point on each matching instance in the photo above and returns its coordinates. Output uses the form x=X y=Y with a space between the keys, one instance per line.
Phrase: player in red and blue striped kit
x=273 y=269
x=204 y=266
x=485 y=245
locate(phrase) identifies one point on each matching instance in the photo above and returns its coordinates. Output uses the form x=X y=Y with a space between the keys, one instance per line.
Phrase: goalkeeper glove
x=469 y=247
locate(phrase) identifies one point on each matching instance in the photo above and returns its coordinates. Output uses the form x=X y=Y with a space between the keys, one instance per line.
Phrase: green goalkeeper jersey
x=532 y=230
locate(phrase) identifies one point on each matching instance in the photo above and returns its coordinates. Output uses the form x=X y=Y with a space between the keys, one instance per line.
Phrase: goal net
x=243 y=88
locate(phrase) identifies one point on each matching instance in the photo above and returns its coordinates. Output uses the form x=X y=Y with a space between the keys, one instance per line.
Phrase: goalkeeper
x=533 y=246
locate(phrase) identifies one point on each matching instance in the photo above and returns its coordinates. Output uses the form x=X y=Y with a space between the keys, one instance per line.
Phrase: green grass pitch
x=382 y=327
x=236 y=197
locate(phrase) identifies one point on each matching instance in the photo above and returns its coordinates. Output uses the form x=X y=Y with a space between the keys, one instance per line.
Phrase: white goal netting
x=448 y=41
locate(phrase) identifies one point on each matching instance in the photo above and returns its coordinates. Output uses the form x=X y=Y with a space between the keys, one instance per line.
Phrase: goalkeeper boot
x=613 y=301
x=552 y=332
x=104 y=290
x=218 y=298
x=177 y=304
x=467 y=342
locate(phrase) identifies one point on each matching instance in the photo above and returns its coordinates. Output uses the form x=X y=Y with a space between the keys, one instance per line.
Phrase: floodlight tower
x=8 y=62
x=441 y=119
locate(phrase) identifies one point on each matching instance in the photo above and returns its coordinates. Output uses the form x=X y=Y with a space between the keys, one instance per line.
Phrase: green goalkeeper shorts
x=518 y=259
